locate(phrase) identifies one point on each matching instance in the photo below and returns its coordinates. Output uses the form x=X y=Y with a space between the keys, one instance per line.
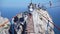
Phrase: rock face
x=40 y=21
x=30 y=24
x=37 y=20
x=4 y=25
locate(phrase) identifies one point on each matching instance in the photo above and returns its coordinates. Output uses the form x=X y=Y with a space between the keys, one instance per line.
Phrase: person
x=13 y=25
x=15 y=19
x=23 y=23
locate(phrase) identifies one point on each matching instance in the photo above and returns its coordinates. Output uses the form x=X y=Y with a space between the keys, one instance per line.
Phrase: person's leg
x=15 y=32
x=10 y=31
x=24 y=28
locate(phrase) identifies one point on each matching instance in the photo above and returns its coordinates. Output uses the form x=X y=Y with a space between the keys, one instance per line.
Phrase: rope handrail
x=51 y=22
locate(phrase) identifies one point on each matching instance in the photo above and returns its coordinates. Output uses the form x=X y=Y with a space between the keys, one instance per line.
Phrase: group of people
x=18 y=26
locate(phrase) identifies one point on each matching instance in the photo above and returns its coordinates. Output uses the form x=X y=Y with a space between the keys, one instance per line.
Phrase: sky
x=9 y=8
x=20 y=3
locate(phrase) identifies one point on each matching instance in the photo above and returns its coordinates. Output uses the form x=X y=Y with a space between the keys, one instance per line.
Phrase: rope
x=51 y=22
